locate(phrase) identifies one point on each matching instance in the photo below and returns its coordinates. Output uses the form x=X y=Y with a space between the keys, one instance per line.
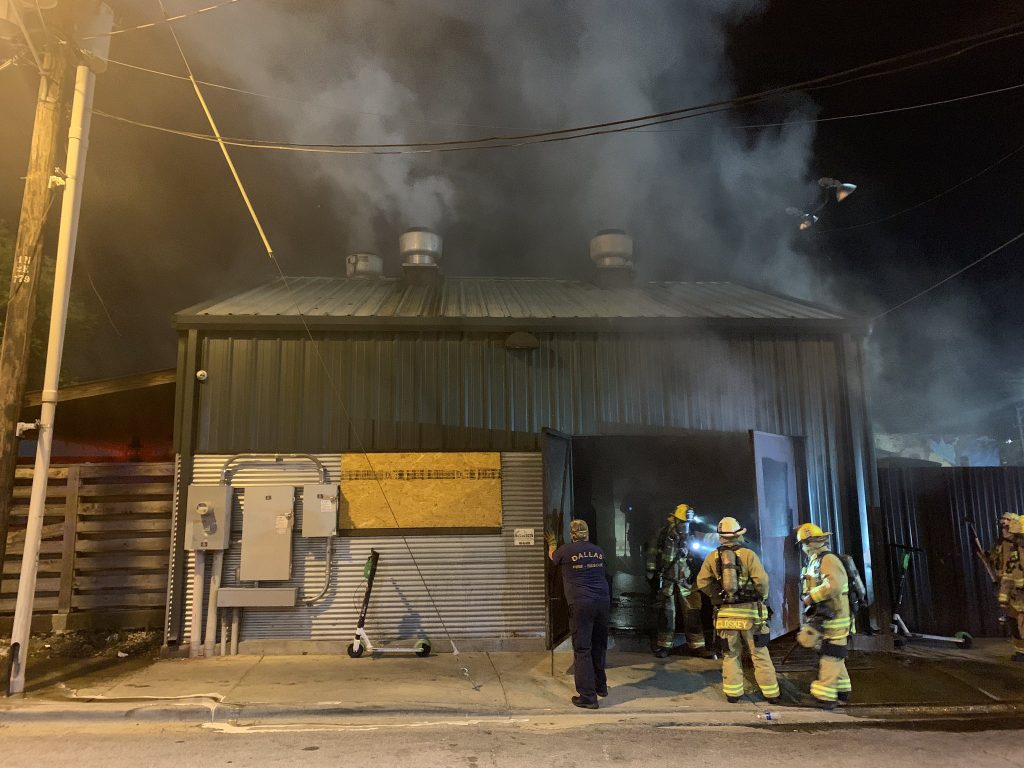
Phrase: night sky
x=163 y=226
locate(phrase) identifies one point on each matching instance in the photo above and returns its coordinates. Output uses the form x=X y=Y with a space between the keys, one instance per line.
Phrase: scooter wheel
x=355 y=650
x=423 y=648
x=965 y=638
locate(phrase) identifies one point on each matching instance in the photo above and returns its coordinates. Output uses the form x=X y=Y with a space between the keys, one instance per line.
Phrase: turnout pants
x=1017 y=630
x=732 y=666
x=588 y=623
x=672 y=603
x=833 y=678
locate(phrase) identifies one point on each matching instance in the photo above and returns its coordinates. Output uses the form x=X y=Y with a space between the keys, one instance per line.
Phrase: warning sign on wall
x=420 y=491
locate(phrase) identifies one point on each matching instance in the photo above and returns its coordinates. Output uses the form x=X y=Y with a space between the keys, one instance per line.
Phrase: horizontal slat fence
x=104 y=553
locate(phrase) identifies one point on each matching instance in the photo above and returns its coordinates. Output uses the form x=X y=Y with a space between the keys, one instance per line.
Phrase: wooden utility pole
x=37 y=202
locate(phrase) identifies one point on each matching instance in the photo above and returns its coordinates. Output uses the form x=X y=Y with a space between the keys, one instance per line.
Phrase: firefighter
x=737 y=584
x=825 y=592
x=1006 y=560
x=671 y=569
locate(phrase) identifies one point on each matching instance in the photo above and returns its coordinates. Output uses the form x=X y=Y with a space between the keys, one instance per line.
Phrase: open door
x=558 y=504
x=778 y=465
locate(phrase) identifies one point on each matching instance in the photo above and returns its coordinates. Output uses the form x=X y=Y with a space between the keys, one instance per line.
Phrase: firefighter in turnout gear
x=1007 y=559
x=825 y=590
x=671 y=569
x=737 y=583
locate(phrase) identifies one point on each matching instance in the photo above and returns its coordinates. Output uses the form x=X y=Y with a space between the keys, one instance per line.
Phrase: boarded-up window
x=420 y=491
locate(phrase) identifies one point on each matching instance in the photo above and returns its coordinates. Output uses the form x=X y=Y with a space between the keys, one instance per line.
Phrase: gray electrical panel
x=208 y=517
x=320 y=510
x=267 y=522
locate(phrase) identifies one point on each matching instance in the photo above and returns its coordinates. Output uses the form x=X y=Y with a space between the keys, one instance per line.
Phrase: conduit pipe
x=276 y=457
x=211 y=610
x=327 y=577
x=198 y=587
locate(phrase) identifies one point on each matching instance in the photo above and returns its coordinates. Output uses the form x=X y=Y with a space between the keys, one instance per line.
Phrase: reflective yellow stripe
x=823 y=692
x=733 y=690
x=771 y=692
x=741 y=611
x=843 y=684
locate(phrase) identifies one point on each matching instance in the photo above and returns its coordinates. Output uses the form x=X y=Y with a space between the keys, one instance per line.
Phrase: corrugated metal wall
x=925 y=507
x=466 y=391
x=480 y=586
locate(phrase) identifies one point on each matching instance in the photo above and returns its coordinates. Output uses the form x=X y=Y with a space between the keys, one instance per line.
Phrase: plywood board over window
x=428 y=493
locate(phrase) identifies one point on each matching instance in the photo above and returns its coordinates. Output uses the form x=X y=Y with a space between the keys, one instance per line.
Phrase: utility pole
x=99 y=21
x=35 y=205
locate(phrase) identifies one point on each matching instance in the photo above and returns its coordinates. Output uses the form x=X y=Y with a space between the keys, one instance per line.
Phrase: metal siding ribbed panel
x=537 y=298
x=947 y=590
x=464 y=391
x=481 y=586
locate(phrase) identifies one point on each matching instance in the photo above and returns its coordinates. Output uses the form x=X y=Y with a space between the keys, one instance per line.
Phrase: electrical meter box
x=208 y=517
x=320 y=510
x=267 y=520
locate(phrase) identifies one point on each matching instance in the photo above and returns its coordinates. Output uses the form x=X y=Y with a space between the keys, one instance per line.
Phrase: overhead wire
x=165 y=20
x=946 y=279
x=934 y=197
x=355 y=149
x=308 y=102
x=632 y=123
x=316 y=347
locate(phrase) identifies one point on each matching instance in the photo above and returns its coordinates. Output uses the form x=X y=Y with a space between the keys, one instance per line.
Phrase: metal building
x=526 y=368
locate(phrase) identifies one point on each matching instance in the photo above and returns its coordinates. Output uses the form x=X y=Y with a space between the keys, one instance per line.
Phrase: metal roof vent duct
x=611 y=250
x=421 y=254
x=364 y=265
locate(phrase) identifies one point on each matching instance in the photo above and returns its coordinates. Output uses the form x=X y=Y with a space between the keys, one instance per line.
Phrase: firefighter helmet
x=682 y=512
x=730 y=526
x=810 y=531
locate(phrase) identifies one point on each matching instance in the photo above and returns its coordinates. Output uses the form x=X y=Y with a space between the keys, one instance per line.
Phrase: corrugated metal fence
x=925 y=507
x=480 y=586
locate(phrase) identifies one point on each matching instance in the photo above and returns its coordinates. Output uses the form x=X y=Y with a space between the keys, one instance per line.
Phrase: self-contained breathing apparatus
x=734 y=590
x=729 y=569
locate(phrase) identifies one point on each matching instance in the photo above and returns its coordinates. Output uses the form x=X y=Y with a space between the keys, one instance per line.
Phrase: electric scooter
x=901 y=634
x=362 y=642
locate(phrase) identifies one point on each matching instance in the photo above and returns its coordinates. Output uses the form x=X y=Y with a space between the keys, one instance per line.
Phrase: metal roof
x=501 y=298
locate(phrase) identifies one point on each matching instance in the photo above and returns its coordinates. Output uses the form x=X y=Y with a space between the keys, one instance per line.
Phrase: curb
x=215 y=712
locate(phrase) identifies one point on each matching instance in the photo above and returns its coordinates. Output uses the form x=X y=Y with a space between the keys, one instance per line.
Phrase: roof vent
x=611 y=250
x=364 y=265
x=421 y=254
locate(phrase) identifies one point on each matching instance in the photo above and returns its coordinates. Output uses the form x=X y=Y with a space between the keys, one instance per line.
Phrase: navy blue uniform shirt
x=583 y=572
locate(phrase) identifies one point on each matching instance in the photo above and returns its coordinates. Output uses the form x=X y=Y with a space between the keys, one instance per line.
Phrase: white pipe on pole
x=78 y=145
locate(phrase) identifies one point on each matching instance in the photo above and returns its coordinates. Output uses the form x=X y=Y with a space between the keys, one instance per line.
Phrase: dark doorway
x=626 y=487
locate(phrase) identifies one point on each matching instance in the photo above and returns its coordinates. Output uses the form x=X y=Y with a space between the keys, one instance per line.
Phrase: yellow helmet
x=810 y=531
x=730 y=526
x=681 y=510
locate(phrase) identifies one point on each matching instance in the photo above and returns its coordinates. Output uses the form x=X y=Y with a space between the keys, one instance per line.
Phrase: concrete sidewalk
x=512 y=685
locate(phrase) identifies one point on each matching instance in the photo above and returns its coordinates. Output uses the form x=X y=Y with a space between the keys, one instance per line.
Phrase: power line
x=675 y=115
x=165 y=20
x=960 y=271
x=858 y=115
x=354 y=149
x=310 y=102
x=936 y=196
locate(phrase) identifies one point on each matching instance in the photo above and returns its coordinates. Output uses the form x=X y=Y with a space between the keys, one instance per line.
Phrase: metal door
x=777 y=461
x=558 y=504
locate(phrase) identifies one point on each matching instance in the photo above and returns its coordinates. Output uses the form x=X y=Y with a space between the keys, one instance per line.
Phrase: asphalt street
x=564 y=741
